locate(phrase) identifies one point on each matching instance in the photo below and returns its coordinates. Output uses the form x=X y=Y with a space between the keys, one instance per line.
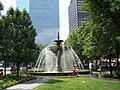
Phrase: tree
x=18 y=27
x=97 y=38
x=76 y=40
x=105 y=17
x=83 y=42
x=6 y=41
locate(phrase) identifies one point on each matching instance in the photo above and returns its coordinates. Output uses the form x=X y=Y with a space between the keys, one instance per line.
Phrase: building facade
x=76 y=15
x=45 y=18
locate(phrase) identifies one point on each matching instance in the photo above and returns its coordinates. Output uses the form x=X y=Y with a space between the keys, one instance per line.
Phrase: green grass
x=80 y=83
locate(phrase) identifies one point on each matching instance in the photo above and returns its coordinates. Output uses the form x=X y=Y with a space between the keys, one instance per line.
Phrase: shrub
x=116 y=74
x=10 y=80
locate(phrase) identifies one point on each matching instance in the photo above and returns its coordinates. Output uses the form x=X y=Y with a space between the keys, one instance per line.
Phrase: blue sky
x=64 y=28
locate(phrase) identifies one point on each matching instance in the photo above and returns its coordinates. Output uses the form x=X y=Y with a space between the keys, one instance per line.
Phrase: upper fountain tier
x=58 y=41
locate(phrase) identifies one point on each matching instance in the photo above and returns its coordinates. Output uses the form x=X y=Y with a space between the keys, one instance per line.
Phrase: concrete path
x=29 y=85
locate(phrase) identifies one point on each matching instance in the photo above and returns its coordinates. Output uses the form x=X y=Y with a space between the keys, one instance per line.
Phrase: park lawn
x=79 y=83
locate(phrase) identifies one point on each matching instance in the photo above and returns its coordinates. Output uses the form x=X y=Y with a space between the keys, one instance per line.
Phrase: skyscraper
x=76 y=15
x=45 y=18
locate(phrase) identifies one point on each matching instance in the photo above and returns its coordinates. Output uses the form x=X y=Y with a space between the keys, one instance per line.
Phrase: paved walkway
x=29 y=85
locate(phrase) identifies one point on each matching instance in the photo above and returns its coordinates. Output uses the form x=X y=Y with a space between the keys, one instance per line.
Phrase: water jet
x=57 y=60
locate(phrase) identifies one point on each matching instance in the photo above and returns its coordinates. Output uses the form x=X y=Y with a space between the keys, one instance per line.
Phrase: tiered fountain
x=57 y=60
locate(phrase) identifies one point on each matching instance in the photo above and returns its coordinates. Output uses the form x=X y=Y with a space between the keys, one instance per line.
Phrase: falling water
x=48 y=59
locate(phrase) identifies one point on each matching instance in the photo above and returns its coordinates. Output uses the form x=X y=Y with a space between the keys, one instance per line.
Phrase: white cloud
x=7 y=4
x=64 y=28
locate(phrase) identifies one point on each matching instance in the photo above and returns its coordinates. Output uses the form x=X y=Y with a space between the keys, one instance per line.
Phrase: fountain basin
x=66 y=73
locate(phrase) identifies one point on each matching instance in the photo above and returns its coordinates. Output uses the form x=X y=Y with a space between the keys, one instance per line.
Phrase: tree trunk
x=100 y=61
x=88 y=64
x=96 y=65
x=110 y=64
x=18 y=68
x=106 y=63
x=26 y=64
x=26 y=68
x=5 y=67
x=117 y=51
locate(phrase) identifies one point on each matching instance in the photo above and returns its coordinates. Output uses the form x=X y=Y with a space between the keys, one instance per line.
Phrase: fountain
x=57 y=60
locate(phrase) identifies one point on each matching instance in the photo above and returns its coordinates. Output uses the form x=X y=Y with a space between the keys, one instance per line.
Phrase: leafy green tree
x=105 y=15
x=28 y=39
x=83 y=42
x=75 y=39
x=98 y=37
x=6 y=42
x=22 y=38
x=106 y=26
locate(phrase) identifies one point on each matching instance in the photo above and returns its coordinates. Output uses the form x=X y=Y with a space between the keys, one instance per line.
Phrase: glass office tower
x=45 y=18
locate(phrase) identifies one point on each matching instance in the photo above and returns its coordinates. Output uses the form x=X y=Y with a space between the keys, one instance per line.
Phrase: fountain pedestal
x=59 y=54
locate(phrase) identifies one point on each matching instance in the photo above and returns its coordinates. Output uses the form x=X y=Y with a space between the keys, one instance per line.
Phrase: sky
x=63 y=7
x=7 y=4
x=64 y=25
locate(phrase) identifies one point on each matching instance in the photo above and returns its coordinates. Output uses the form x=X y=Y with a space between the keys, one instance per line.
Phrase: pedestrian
x=90 y=68
x=73 y=70
x=12 y=69
x=76 y=72
x=1 y=72
x=100 y=68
